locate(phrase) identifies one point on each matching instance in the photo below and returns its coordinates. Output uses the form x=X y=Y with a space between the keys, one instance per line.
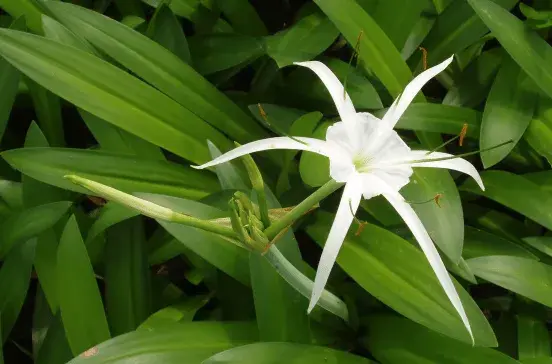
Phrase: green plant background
x=129 y=93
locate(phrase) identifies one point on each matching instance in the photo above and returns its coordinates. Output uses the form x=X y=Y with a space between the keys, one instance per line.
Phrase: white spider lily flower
x=371 y=159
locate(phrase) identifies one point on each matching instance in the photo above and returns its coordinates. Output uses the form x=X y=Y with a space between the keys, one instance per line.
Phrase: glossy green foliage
x=133 y=94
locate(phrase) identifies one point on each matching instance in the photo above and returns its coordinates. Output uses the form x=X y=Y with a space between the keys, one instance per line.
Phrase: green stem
x=301 y=209
x=149 y=208
x=202 y=224
x=303 y=284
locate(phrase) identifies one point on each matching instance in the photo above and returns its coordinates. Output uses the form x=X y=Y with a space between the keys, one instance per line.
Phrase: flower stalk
x=243 y=228
x=302 y=208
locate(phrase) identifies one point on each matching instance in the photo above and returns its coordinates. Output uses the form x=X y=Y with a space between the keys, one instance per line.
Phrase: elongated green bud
x=148 y=208
x=145 y=207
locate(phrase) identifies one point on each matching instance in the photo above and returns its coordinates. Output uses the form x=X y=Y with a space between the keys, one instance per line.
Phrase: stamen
x=274 y=128
x=461 y=136
x=457 y=156
x=355 y=54
x=435 y=198
x=424 y=57
x=361 y=224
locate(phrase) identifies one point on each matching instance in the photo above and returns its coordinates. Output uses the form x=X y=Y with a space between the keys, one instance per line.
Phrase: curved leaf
x=160 y=67
x=394 y=340
x=218 y=52
x=15 y=278
x=376 y=50
x=78 y=293
x=517 y=193
x=455 y=29
x=508 y=111
x=217 y=250
x=527 y=48
x=523 y=276
x=189 y=343
x=275 y=352
x=24 y=225
x=398 y=274
x=102 y=89
x=120 y=171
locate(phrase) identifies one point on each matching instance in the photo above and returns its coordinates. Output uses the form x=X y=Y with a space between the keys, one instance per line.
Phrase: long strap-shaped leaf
x=160 y=67
x=111 y=94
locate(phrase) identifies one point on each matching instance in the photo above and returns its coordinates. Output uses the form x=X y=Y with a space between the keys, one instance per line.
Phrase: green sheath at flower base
x=258 y=186
x=148 y=208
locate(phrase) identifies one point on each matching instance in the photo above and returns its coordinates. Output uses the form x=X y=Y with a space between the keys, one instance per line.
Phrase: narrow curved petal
x=399 y=106
x=311 y=145
x=342 y=101
x=350 y=200
x=418 y=230
x=456 y=164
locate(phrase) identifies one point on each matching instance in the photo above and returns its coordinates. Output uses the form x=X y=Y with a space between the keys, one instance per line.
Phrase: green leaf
x=280 y=310
x=303 y=41
x=175 y=314
x=517 y=193
x=479 y=243
x=304 y=89
x=108 y=136
x=48 y=111
x=165 y=29
x=396 y=273
x=227 y=174
x=15 y=277
x=389 y=13
x=30 y=10
x=31 y=222
x=124 y=172
x=440 y=119
x=59 y=32
x=102 y=89
x=54 y=348
x=114 y=139
x=217 y=52
x=455 y=29
x=280 y=352
x=126 y=277
x=242 y=16
x=163 y=69
x=45 y=266
x=444 y=222
x=472 y=85
x=539 y=133
x=533 y=338
x=527 y=48
x=217 y=250
x=395 y=340
x=189 y=343
x=9 y=83
x=523 y=276
x=194 y=10
x=508 y=111
x=376 y=50
x=36 y=193
x=110 y=214
x=541 y=243
x=79 y=293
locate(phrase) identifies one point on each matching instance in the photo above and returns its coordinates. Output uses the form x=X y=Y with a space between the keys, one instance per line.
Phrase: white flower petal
x=311 y=145
x=411 y=90
x=350 y=199
x=457 y=164
x=418 y=230
x=342 y=101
